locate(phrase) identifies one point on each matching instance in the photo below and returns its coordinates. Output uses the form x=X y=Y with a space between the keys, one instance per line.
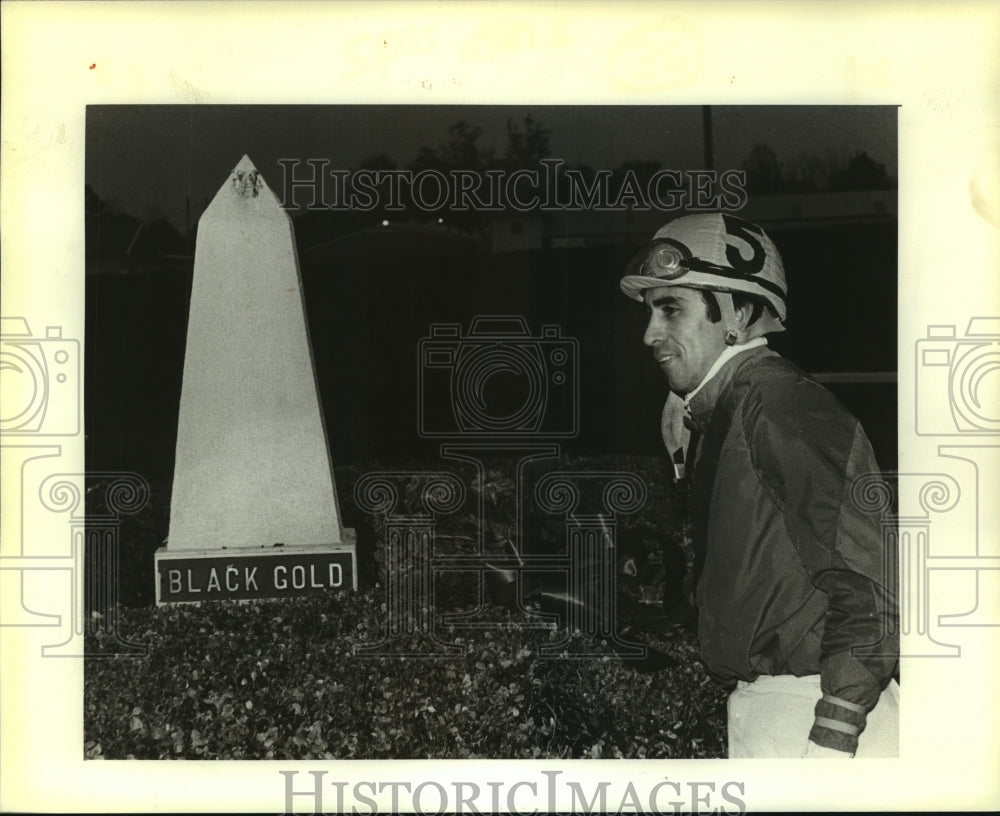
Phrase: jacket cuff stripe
x=837 y=701
x=836 y=725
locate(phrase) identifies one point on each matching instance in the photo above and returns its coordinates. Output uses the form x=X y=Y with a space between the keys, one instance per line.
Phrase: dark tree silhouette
x=461 y=152
x=862 y=173
x=763 y=171
x=811 y=172
x=806 y=174
x=527 y=144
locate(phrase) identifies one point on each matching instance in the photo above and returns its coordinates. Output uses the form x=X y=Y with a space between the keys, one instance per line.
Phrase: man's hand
x=814 y=751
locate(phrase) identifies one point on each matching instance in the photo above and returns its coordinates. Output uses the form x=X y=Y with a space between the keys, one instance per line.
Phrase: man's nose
x=654 y=332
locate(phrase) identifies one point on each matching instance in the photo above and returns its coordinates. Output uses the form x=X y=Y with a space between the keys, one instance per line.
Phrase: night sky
x=148 y=160
x=372 y=295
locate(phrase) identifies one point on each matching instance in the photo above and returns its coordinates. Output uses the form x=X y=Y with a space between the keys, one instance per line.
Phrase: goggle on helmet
x=715 y=251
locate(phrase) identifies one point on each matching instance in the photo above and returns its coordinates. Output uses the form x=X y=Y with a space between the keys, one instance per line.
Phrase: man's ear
x=735 y=321
x=743 y=315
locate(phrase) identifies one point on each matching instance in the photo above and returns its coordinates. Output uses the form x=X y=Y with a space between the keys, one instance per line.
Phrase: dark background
x=374 y=291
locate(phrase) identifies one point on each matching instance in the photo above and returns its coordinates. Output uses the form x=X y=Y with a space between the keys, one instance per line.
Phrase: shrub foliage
x=286 y=679
x=280 y=680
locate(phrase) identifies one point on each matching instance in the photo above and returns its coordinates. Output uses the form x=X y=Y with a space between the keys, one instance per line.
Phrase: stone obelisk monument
x=254 y=511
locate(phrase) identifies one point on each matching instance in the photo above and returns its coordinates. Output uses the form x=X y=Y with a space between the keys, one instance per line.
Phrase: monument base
x=241 y=573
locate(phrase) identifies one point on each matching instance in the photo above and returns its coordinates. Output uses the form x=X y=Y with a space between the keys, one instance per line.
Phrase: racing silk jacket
x=792 y=574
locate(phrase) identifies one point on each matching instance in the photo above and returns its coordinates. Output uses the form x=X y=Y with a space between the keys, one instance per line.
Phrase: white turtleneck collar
x=727 y=354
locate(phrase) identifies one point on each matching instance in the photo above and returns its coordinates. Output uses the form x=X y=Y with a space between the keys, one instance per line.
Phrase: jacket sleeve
x=811 y=452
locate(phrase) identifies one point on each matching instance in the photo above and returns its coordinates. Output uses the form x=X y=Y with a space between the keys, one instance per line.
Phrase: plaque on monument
x=253 y=511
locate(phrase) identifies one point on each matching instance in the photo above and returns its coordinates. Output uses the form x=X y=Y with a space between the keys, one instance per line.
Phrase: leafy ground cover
x=289 y=678
x=280 y=680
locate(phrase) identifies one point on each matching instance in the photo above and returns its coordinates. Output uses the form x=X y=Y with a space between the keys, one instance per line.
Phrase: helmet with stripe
x=715 y=251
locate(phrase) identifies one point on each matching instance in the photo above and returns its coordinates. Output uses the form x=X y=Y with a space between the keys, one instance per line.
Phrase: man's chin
x=676 y=389
x=671 y=380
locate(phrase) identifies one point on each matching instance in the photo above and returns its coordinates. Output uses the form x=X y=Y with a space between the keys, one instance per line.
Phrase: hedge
x=283 y=679
x=280 y=680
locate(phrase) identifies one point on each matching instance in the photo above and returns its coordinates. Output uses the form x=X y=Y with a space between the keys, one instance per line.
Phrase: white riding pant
x=772 y=716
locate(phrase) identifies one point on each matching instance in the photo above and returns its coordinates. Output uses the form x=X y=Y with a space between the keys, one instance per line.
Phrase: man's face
x=684 y=341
